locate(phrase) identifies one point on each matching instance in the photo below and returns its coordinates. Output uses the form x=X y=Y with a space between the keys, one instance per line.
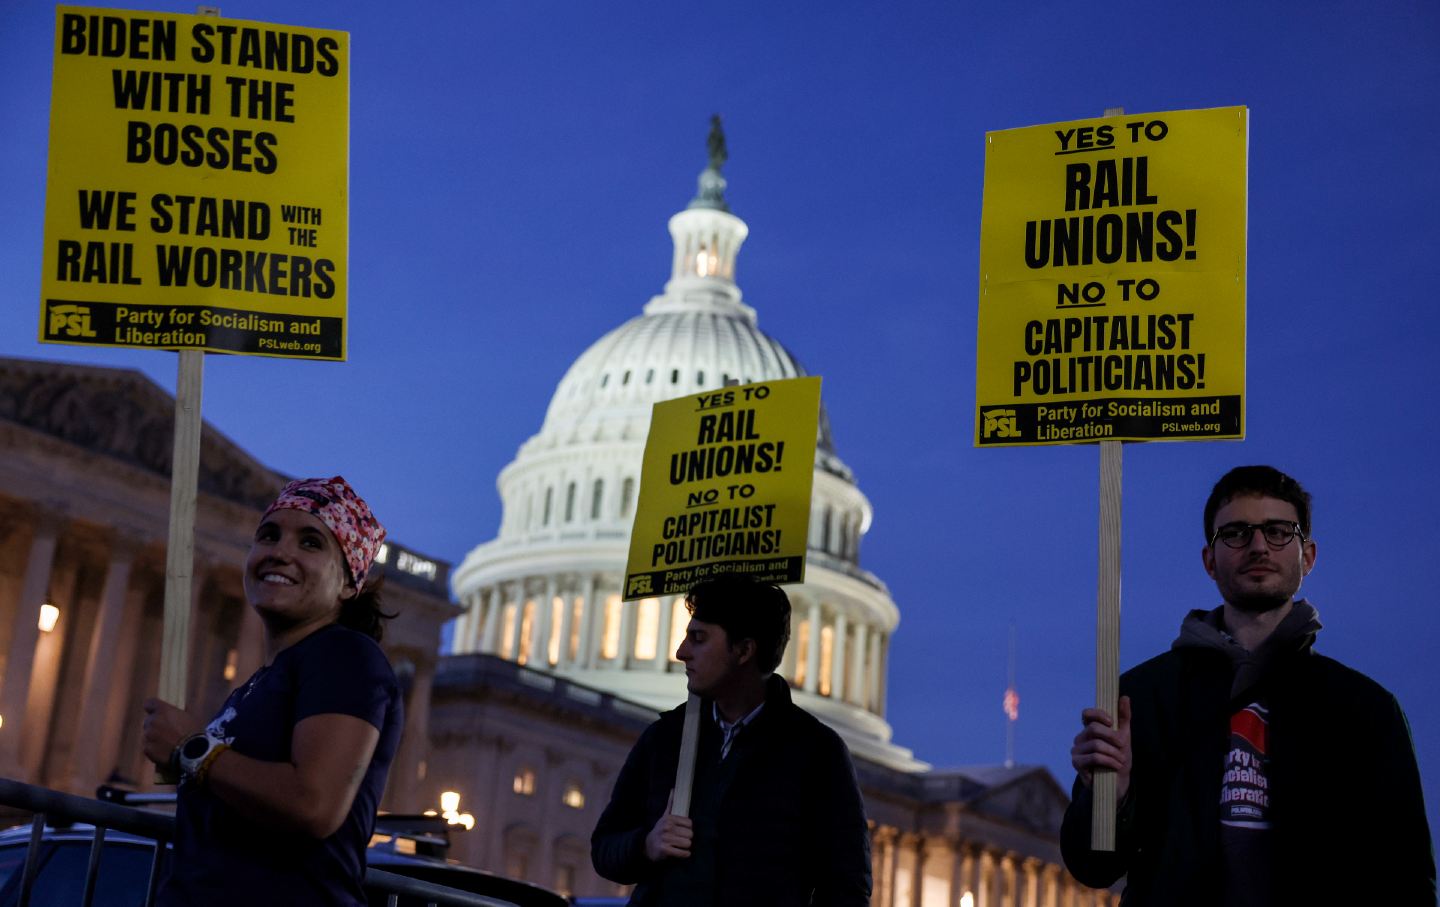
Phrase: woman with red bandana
x=278 y=792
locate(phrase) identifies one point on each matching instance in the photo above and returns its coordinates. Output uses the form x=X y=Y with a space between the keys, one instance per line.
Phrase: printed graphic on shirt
x=218 y=730
x=1245 y=789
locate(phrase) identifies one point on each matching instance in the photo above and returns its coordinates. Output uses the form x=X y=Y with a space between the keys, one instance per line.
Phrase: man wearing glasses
x=1251 y=770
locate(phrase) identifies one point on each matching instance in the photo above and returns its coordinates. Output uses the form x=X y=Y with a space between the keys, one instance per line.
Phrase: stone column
x=515 y=631
x=590 y=617
x=872 y=676
x=627 y=634
x=985 y=890
x=85 y=770
x=469 y=641
x=414 y=740
x=662 y=644
x=893 y=871
x=879 y=677
x=917 y=877
x=15 y=690
x=567 y=621
x=837 y=660
x=494 y=600
x=1031 y=867
x=857 y=665
x=1050 y=886
x=878 y=836
x=1008 y=881
x=812 y=652
x=544 y=625
x=962 y=873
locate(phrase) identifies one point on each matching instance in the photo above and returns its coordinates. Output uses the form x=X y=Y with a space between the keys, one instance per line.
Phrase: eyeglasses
x=1278 y=533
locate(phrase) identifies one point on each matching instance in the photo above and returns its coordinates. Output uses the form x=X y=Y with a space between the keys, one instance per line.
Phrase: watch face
x=195 y=747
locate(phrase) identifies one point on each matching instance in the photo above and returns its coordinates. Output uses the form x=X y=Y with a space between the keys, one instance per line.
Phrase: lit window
x=802 y=648
x=573 y=797
x=647 y=627
x=577 y=613
x=827 y=658
x=525 y=781
x=507 y=632
x=527 y=624
x=610 y=639
x=230 y=667
x=552 y=647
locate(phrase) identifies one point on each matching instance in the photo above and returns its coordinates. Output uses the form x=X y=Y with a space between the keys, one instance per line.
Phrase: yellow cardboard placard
x=1112 y=280
x=725 y=488
x=196 y=194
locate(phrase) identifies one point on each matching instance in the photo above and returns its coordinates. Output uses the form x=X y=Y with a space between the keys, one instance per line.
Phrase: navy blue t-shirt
x=221 y=857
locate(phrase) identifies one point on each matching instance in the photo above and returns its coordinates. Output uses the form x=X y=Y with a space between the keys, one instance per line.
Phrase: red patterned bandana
x=347 y=516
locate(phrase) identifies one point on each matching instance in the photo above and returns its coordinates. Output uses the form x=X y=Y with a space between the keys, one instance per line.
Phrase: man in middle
x=775 y=815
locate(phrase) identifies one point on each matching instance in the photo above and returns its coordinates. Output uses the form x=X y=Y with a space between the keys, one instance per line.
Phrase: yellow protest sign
x=196 y=194
x=1112 y=280
x=725 y=488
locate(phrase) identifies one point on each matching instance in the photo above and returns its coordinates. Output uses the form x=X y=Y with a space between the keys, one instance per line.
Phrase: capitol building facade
x=546 y=592
x=549 y=676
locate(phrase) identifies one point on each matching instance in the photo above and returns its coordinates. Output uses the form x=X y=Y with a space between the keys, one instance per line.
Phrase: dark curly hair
x=365 y=612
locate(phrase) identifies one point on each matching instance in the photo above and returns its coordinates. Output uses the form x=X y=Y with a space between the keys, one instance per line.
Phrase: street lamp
x=49 y=616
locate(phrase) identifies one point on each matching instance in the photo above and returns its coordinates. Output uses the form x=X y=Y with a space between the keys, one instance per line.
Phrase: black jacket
x=778 y=822
x=1347 y=816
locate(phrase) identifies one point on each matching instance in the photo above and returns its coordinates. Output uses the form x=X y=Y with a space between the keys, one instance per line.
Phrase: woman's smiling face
x=294 y=573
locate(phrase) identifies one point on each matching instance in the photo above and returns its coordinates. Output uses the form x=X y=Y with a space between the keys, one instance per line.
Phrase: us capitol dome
x=546 y=592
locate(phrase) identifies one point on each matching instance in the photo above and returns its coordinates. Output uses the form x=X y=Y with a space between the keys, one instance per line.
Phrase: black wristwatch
x=191 y=753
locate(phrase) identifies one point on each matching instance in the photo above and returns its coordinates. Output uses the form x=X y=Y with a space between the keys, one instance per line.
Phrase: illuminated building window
x=552 y=645
x=610 y=639
x=507 y=632
x=802 y=648
x=827 y=658
x=525 y=781
x=570 y=503
x=574 y=796
x=627 y=496
x=647 y=627
x=527 y=625
x=679 y=620
x=230 y=658
x=596 y=496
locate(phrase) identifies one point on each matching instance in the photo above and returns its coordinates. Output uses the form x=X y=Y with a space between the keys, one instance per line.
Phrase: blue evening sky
x=512 y=168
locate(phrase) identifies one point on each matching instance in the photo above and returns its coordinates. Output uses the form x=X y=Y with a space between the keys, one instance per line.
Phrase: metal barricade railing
x=46 y=805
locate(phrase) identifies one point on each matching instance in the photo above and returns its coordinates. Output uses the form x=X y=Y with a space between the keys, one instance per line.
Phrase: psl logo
x=999 y=423
x=71 y=320
x=639 y=585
